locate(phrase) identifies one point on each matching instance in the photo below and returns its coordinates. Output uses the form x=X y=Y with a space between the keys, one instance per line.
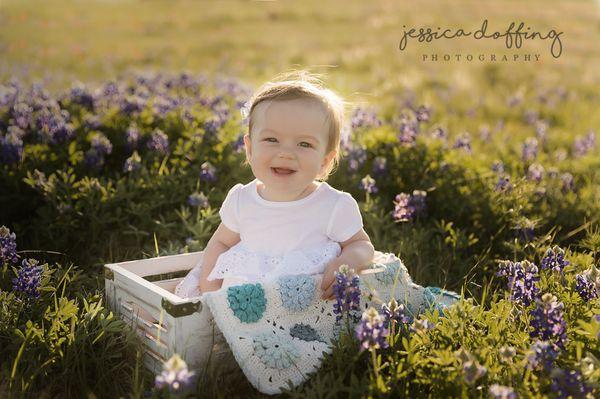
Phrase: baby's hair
x=305 y=85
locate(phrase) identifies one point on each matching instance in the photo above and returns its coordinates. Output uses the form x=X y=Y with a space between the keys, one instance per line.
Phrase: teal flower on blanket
x=247 y=301
x=274 y=351
x=305 y=332
x=388 y=275
x=297 y=291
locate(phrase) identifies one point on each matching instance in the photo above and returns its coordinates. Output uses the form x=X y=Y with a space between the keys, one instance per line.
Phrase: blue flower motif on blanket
x=305 y=333
x=274 y=351
x=297 y=291
x=388 y=275
x=247 y=301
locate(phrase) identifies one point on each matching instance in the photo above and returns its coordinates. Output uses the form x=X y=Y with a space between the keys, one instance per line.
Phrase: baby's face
x=288 y=134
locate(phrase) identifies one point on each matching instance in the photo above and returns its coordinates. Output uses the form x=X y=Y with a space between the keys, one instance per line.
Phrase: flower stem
x=374 y=360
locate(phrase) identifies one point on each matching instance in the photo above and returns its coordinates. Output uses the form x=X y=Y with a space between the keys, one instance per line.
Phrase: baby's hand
x=329 y=279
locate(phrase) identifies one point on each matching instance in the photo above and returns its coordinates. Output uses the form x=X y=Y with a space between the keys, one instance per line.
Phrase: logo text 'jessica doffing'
x=513 y=36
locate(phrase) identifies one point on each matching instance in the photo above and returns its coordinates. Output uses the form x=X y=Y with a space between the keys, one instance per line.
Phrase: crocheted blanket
x=279 y=330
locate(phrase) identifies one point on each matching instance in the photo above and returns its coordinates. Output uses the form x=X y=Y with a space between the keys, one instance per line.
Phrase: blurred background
x=354 y=42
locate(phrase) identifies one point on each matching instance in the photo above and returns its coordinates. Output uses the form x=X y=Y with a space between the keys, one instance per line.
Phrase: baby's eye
x=271 y=138
x=309 y=144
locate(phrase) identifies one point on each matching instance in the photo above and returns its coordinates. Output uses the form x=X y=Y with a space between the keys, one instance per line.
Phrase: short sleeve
x=229 y=211
x=346 y=219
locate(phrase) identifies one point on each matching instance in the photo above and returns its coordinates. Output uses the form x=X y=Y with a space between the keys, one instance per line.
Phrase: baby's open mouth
x=282 y=171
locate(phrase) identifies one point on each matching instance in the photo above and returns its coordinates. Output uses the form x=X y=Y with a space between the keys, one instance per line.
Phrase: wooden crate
x=141 y=292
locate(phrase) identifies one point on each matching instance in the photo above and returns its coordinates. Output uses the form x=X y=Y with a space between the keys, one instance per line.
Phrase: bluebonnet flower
x=296 y=291
x=356 y=157
x=22 y=115
x=159 y=142
x=395 y=312
x=407 y=130
x=368 y=184
x=101 y=144
x=485 y=133
x=347 y=292
x=132 y=104
x=547 y=320
x=423 y=113
x=439 y=133
x=503 y=183
x=11 y=147
x=208 y=172
x=238 y=145
x=535 y=172
x=29 y=279
x=587 y=284
x=133 y=163
x=530 y=116
x=275 y=352
x=8 y=246
x=542 y=354
x=541 y=130
x=305 y=332
x=529 y=149
x=408 y=207
x=569 y=384
x=53 y=126
x=522 y=278
x=463 y=142
x=472 y=371
x=568 y=183
x=497 y=391
x=525 y=230
x=362 y=117
x=132 y=135
x=371 y=331
x=379 y=166
x=79 y=94
x=162 y=104
x=498 y=167
x=175 y=376
x=197 y=199
x=93 y=159
x=583 y=145
x=247 y=301
x=554 y=259
x=92 y=122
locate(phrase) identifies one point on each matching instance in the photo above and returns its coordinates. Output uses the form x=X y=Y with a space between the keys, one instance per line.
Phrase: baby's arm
x=221 y=241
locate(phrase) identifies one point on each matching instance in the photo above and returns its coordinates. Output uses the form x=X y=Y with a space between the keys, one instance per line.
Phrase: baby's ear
x=248 y=146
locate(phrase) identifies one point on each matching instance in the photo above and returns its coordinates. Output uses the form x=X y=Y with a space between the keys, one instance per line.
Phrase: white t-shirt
x=277 y=227
x=290 y=237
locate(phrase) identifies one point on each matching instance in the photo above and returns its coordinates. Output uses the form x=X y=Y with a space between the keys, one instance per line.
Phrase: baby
x=288 y=220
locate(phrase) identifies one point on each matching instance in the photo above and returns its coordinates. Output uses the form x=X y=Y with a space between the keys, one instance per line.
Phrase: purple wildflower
x=497 y=391
x=133 y=163
x=8 y=246
x=583 y=145
x=535 y=172
x=80 y=95
x=498 y=166
x=439 y=133
x=503 y=183
x=547 y=320
x=197 y=200
x=541 y=130
x=175 y=376
x=408 y=130
x=368 y=184
x=542 y=353
x=132 y=104
x=29 y=279
x=347 y=292
x=530 y=116
x=587 y=284
x=529 y=149
x=159 y=142
x=423 y=113
x=472 y=371
x=93 y=159
x=522 y=278
x=101 y=144
x=208 y=172
x=463 y=142
x=554 y=259
x=371 y=331
x=356 y=157
x=395 y=312
x=379 y=166
x=238 y=145
x=525 y=230
x=569 y=384
x=568 y=183
x=132 y=135
x=485 y=133
x=11 y=146
x=22 y=115
x=408 y=207
x=364 y=118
